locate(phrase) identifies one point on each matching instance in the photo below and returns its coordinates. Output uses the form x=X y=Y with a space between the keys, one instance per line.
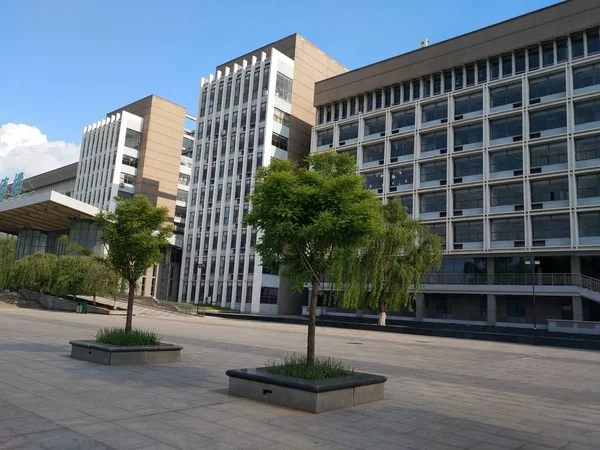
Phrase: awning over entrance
x=47 y=211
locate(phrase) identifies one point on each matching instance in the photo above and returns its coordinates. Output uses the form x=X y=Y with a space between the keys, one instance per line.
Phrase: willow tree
x=133 y=237
x=8 y=247
x=386 y=274
x=309 y=217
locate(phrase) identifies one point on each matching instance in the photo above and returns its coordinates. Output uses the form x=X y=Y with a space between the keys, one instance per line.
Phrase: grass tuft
x=296 y=366
x=118 y=336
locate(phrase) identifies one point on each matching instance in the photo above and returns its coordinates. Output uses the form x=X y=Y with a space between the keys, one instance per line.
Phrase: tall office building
x=493 y=140
x=258 y=107
x=142 y=148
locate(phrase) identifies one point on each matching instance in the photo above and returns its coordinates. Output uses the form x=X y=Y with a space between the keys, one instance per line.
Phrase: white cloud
x=24 y=148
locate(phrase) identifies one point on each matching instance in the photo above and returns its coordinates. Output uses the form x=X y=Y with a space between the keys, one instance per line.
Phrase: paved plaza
x=441 y=393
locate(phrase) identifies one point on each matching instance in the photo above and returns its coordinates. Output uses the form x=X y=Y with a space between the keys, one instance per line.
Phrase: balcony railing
x=512 y=279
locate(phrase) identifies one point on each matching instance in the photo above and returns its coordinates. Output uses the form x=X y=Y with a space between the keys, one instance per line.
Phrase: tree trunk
x=312 y=322
x=94 y=297
x=130 y=305
x=382 y=313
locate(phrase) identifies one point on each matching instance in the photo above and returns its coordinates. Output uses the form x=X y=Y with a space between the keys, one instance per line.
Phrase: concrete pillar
x=577 y=308
x=420 y=307
x=491 y=310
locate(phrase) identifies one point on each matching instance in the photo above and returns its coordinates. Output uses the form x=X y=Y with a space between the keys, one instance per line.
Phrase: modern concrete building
x=493 y=140
x=144 y=148
x=258 y=107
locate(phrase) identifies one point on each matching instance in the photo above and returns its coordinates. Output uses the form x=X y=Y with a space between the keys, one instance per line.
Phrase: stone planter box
x=312 y=396
x=114 y=355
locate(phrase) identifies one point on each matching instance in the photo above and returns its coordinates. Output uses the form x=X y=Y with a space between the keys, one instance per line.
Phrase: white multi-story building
x=493 y=140
x=258 y=107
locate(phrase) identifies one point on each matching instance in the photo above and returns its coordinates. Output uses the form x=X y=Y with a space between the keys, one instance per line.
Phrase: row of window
x=197 y=295
x=507 y=65
x=544 y=227
x=547 y=121
x=542 y=155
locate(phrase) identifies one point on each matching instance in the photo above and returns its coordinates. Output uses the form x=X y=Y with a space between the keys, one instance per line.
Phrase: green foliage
x=119 y=336
x=134 y=235
x=35 y=272
x=386 y=273
x=70 y=275
x=7 y=261
x=308 y=218
x=298 y=366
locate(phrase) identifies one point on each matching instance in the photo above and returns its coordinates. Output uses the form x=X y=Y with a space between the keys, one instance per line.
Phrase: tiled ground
x=441 y=393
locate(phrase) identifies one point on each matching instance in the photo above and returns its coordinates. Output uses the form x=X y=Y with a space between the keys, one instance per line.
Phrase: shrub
x=297 y=366
x=118 y=336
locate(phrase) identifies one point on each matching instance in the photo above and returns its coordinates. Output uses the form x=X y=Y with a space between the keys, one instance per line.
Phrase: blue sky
x=64 y=64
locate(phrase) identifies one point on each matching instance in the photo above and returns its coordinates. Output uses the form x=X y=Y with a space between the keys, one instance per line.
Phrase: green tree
x=70 y=276
x=35 y=272
x=389 y=271
x=8 y=247
x=309 y=218
x=133 y=237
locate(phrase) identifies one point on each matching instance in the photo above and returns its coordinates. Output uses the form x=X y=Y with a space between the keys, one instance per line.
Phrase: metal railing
x=516 y=279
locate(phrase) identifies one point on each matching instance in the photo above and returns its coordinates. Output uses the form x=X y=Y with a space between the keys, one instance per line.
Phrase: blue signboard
x=17 y=184
x=3 y=188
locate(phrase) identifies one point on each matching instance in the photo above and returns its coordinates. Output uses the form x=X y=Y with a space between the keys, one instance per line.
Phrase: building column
x=577 y=308
x=575 y=264
x=491 y=309
x=419 y=307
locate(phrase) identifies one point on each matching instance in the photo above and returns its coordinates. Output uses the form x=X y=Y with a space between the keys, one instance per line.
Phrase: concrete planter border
x=313 y=396
x=114 y=355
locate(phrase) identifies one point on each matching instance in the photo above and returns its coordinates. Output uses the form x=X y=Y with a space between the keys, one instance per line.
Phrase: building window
x=593 y=41
x=494 y=68
x=401 y=176
x=407 y=202
x=438 y=229
x=588 y=186
x=562 y=51
x=435 y=202
x=468 y=103
x=507 y=69
x=470 y=75
x=402 y=147
x=470 y=231
x=434 y=111
x=127 y=178
x=397 y=94
x=468 y=198
x=281 y=117
x=133 y=139
x=506 y=95
x=130 y=161
x=548 y=85
x=283 y=87
x=507 y=194
x=437 y=84
x=586 y=112
x=447 y=81
x=512 y=229
x=426 y=87
x=471 y=134
x=268 y=295
x=324 y=137
x=554 y=189
x=547 y=54
x=481 y=72
x=433 y=171
x=587 y=148
x=349 y=131
x=374 y=125
x=519 y=61
x=403 y=119
x=589 y=224
x=577 y=45
x=548 y=154
x=555 y=226
x=586 y=76
x=280 y=142
x=506 y=160
x=548 y=119
x=458 y=78
x=506 y=127
x=434 y=141
x=534 y=58
x=373 y=153
x=468 y=166
x=374 y=180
